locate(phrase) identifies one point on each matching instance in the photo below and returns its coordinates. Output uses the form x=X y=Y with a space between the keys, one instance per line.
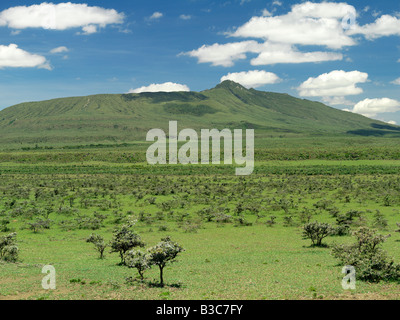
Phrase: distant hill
x=119 y=118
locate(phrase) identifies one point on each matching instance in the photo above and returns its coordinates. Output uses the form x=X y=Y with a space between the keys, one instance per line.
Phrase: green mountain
x=119 y=118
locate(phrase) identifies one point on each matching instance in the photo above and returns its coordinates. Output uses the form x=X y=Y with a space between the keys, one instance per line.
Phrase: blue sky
x=345 y=54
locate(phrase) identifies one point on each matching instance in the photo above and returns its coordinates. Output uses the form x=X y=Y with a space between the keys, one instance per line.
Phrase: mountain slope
x=128 y=117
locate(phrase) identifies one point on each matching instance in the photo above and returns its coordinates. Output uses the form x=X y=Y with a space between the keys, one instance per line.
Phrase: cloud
x=386 y=25
x=334 y=101
x=14 y=57
x=90 y=29
x=59 y=50
x=60 y=16
x=337 y=83
x=268 y=53
x=156 y=15
x=252 y=79
x=163 y=87
x=266 y=13
x=372 y=107
x=397 y=81
x=326 y=24
x=185 y=17
x=273 y=53
x=224 y=54
x=306 y=24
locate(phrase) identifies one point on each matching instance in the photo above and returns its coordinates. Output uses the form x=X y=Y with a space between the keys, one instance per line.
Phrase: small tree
x=98 y=242
x=124 y=239
x=371 y=262
x=271 y=222
x=38 y=225
x=379 y=220
x=317 y=231
x=139 y=260
x=4 y=225
x=8 y=247
x=161 y=254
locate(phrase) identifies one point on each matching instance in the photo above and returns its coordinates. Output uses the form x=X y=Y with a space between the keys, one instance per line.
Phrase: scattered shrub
x=317 y=231
x=271 y=222
x=98 y=242
x=139 y=260
x=379 y=220
x=163 y=253
x=124 y=239
x=8 y=248
x=365 y=255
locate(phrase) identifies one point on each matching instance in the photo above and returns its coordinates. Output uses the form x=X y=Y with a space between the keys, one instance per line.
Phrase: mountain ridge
x=121 y=118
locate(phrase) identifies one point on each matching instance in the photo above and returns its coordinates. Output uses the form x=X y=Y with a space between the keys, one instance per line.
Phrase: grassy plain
x=231 y=250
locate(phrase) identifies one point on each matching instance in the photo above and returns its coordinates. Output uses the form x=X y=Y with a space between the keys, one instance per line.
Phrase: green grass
x=85 y=156
x=221 y=261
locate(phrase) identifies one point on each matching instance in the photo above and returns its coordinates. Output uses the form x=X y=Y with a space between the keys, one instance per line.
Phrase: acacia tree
x=161 y=254
x=139 y=260
x=366 y=255
x=98 y=242
x=317 y=231
x=8 y=247
x=124 y=239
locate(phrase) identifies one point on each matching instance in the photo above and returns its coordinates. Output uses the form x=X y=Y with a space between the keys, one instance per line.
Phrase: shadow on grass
x=152 y=283
x=316 y=246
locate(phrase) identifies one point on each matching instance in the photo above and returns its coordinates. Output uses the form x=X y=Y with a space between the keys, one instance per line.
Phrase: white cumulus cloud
x=372 y=107
x=306 y=24
x=252 y=79
x=60 y=16
x=273 y=53
x=156 y=15
x=161 y=87
x=14 y=57
x=268 y=53
x=337 y=83
x=224 y=54
x=386 y=25
x=90 y=29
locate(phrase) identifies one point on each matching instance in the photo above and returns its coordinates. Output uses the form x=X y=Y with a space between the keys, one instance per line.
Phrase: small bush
x=379 y=220
x=38 y=225
x=365 y=255
x=88 y=223
x=341 y=230
x=288 y=221
x=8 y=248
x=317 y=231
x=139 y=260
x=98 y=242
x=4 y=225
x=124 y=239
x=242 y=222
x=163 y=253
x=191 y=226
x=271 y=222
